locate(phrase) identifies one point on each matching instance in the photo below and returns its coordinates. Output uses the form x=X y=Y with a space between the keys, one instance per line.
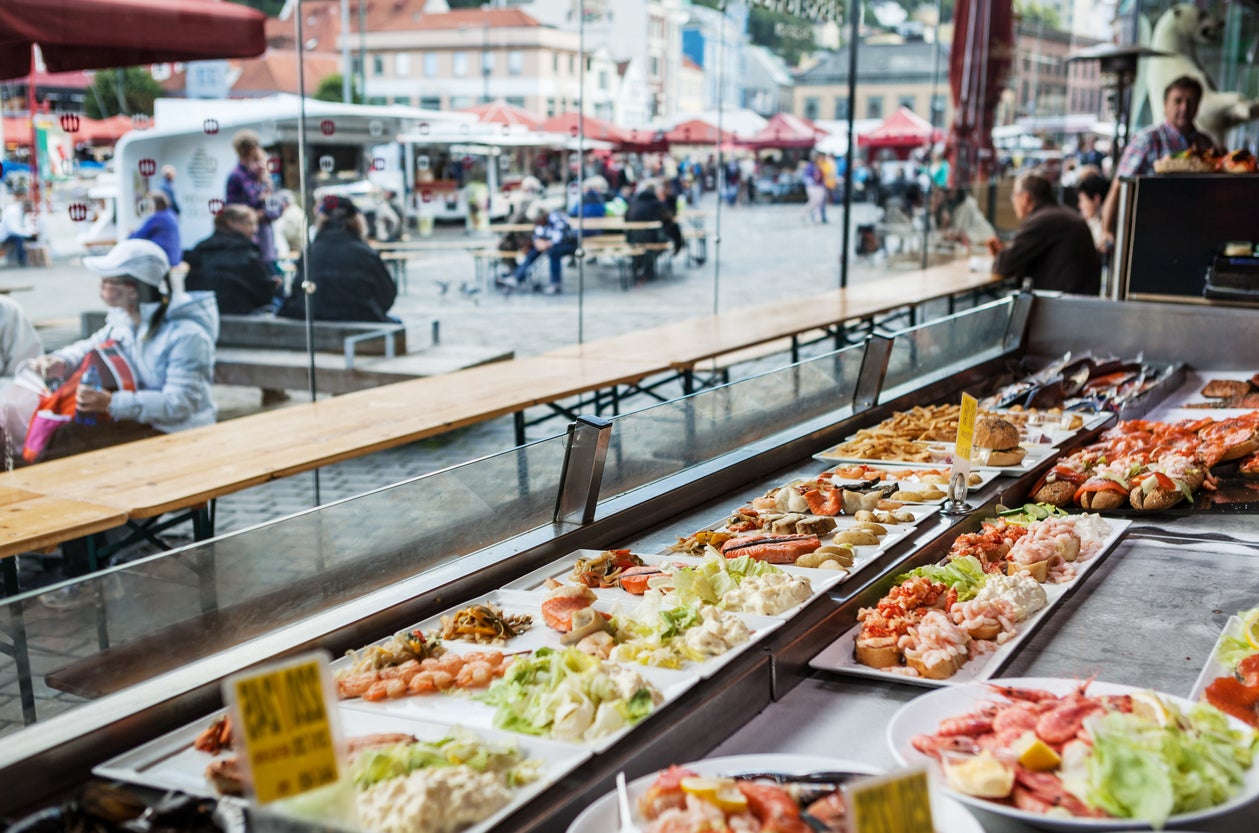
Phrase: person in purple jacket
x=161 y=227
x=249 y=184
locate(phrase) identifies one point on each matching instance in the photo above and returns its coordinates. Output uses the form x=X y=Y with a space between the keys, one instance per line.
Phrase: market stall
x=368 y=567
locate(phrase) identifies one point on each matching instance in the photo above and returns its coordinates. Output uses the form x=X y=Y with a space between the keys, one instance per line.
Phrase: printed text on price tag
x=896 y=803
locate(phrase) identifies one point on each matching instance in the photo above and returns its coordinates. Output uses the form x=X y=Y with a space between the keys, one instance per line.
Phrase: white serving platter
x=602 y=817
x=171 y=763
x=561 y=571
x=909 y=483
x=1214 y=667
x=838 y=657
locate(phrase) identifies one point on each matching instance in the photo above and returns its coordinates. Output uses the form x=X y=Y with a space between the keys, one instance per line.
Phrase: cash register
x=1234 y=275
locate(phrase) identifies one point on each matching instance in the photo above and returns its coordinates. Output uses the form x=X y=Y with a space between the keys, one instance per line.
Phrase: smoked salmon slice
x=775 y=549
x=634 y=579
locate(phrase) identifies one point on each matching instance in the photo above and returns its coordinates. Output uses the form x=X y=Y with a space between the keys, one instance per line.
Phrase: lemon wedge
x=1250 y=628
x=1147 y=705
x=721 y=792
x=1035 y=754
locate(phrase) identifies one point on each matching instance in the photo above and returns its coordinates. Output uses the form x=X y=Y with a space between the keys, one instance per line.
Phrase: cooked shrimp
x=474 y=675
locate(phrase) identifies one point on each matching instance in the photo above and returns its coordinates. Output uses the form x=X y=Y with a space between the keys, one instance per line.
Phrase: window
x=905 y=101
x=655 y=67
x=402 y=64
x=378 y=65
x=811 y=107
x=356 y=67
x=874 y=107
x=487 y=63
x=460 y=60
x=603 y=79
x=572 y=64
x=402 y=100
x=515 y=100
x=461 y=102
x=841 y=107
x=555 y=62
x=937 y=108
x=377 y=100
x=550 y=107
x=515 y=62
x=431 y=102
x=430 y=64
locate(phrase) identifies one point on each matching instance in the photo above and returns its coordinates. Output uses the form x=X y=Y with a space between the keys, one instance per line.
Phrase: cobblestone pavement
x=765 y=252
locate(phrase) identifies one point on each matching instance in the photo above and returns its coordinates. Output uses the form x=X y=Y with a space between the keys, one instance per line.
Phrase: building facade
x=889 y=76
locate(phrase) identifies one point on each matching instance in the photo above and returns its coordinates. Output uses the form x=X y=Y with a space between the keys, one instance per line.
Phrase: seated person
x=959 y=218
x=229 y=264
x=168 y=340
x=647 y=207
x=592 y=203
x=1053 y=245
x=15 y=227
x=352 y=282
x=162 y=227
x=552 y=236
x=1090 y=195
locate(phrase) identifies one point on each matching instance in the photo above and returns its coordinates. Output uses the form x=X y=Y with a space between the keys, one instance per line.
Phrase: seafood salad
x=1237 y=693
x=742 y=584
x=681 y=801
x=1132 y=756
x=662 y=633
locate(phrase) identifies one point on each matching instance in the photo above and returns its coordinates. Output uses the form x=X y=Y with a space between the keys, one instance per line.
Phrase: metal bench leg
x=98 y=597
x=519 y=418
x=18 y=650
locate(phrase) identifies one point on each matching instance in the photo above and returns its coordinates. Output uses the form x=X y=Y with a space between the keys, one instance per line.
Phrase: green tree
x=785 y=35
x=271 y=8
x=330 y=89
x=1032 y=12
x=465 y=4
x=138 y=89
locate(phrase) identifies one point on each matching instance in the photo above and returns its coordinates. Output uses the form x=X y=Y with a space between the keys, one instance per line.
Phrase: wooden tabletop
x=40 y=521
x=589 y=224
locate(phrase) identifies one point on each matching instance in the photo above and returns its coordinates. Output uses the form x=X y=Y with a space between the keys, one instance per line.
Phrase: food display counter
x=1147 y=614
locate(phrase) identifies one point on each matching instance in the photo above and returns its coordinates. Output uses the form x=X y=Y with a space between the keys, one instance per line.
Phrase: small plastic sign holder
x=959 y=474
x=899 y=802
x=289 y=738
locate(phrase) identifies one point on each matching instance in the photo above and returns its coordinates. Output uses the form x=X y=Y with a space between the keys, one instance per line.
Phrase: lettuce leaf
x=965 y=574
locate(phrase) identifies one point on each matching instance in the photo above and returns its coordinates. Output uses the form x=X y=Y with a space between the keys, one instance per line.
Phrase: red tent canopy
x=88 y=34
x=597 y=129
x=697 y=132
x=785 y=131
x=500 y=112
x=105 y=131
x=899 y=130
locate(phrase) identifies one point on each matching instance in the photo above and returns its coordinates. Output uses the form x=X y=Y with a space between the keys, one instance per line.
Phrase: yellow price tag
x=896 y=803
x=966 y=426
x=284 y=721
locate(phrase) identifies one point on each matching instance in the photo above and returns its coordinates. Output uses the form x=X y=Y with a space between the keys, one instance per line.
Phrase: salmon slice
x=829 y=502
x=564 y=601
x=776 y=549
x=634 y=580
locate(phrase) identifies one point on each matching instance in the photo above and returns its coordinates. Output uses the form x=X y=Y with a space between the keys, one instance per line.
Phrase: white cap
x=143 y=260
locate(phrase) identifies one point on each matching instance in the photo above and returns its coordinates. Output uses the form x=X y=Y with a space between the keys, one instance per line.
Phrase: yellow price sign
x=966 y=426
x=284 y=722
x=896 y=803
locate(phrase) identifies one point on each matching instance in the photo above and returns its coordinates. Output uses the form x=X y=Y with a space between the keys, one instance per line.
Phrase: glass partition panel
x=658 y=441
x=157 y=614
x=951 y=343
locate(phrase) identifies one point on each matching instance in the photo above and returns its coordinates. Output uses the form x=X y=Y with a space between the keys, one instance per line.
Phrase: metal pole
x=485 y=67
x=581 y=192
x=721 y=165
x=362 y=48
x=302 y=187
x=931 y=186
x=854 y=15
x=346 y=74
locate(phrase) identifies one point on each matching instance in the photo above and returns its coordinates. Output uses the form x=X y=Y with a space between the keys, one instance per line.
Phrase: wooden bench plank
x=41 y=521
x=272 y=333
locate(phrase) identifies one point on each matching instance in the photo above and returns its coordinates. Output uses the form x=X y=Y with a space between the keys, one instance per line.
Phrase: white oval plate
x=922 y=716
x=602 y=816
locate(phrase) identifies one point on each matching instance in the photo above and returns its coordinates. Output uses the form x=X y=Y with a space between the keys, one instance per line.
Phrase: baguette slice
x=941 y=670
x=1058 y=493
x=1038 y=570
x=985 y=631
x=877 y=651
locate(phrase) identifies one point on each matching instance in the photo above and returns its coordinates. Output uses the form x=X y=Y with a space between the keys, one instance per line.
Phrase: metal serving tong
x=816 y=779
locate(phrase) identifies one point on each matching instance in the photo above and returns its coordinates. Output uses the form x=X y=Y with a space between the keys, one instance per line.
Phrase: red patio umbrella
x=597 y=129
x=103 y=131
x=982 y=54
x=698 y=132
x=785 y=131
x=91 y=34
x=902 y=129
x=500 y=112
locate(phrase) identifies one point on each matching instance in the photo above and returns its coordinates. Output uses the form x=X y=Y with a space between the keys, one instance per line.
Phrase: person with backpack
x=552 y=236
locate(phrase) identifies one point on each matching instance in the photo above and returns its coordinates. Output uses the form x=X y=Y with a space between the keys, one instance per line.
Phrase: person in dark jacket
x=647 y=207
x=352 y=282
x=229 y=264
x=1053 y=245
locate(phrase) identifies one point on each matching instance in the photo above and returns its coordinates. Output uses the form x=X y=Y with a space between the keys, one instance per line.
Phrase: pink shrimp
x=474 y=675
x=422 y=683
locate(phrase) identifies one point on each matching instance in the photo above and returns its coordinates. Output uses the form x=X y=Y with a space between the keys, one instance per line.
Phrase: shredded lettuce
x=1030 y=513
x=709 y=582
x=1234 y=645
x=459 y=748
x=568 y=695
x=964 y=574
x=1143 y=770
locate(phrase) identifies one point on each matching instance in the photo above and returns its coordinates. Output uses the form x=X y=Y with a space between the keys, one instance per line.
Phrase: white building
x=721 y=41
x=643 y=31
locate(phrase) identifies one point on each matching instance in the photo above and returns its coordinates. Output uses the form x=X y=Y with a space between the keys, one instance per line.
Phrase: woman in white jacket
x=168 y=339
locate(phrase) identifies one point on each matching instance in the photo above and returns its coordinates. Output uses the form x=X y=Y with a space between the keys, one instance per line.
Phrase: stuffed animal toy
x=1179 y=30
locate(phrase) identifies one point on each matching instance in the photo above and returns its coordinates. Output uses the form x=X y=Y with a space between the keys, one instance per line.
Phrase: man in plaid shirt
x=1175 y=134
